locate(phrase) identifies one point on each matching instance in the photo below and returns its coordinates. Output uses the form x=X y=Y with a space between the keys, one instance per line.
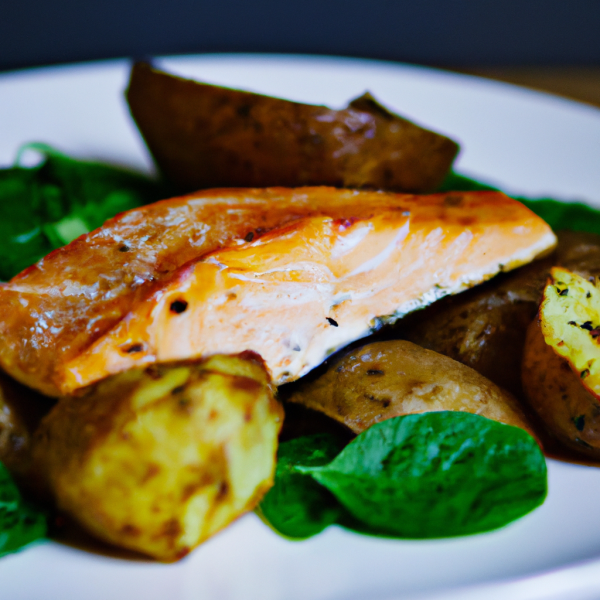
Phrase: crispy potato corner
x=159 y=459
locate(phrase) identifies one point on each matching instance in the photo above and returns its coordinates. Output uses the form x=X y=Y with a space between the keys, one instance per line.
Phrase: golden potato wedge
x=484 y=328
x=158 y=459
x=561 y=362
x=204 y=136
x=388 y=379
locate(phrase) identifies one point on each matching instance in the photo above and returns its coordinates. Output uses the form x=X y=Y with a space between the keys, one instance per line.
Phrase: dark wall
x=435 y=32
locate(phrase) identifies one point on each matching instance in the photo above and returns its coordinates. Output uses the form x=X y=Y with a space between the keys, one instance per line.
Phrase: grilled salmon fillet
x=293 y=274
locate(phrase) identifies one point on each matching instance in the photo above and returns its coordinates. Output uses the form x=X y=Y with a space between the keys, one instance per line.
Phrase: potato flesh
x=570 y=322
x=158 y=460
x=388 y=379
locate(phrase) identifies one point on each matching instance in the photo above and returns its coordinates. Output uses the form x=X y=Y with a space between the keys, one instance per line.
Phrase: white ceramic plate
x=528 y=143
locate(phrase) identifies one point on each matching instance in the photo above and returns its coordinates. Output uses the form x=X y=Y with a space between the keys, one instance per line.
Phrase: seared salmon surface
x=292 y=274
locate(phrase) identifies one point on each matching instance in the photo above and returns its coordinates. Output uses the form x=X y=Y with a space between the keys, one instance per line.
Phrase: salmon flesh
x=292 y=274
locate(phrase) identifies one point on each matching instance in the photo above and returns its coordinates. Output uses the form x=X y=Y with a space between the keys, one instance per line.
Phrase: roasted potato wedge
x=204 y=136
x=388 y=379
x=576 y=251
x=484 y=328
x=561 y=362
x=158 y=459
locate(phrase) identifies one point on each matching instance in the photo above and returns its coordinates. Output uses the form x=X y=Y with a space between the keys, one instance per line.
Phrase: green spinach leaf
x=48 y=206
x=297 y=506
x=438 y=474
x=20 y=523
x=559 y=215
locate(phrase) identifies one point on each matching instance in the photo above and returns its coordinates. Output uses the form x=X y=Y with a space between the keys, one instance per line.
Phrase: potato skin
x=21 y=410
x=387 y=379
x=579 y=252
x=484 y=328
x=204 y=136
x=157 y=460
x=566 y=408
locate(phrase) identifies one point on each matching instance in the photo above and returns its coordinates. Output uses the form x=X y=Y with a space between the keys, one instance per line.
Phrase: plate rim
x=33 y=72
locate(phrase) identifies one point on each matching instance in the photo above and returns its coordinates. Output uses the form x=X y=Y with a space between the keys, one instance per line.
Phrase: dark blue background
x=434 y=32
